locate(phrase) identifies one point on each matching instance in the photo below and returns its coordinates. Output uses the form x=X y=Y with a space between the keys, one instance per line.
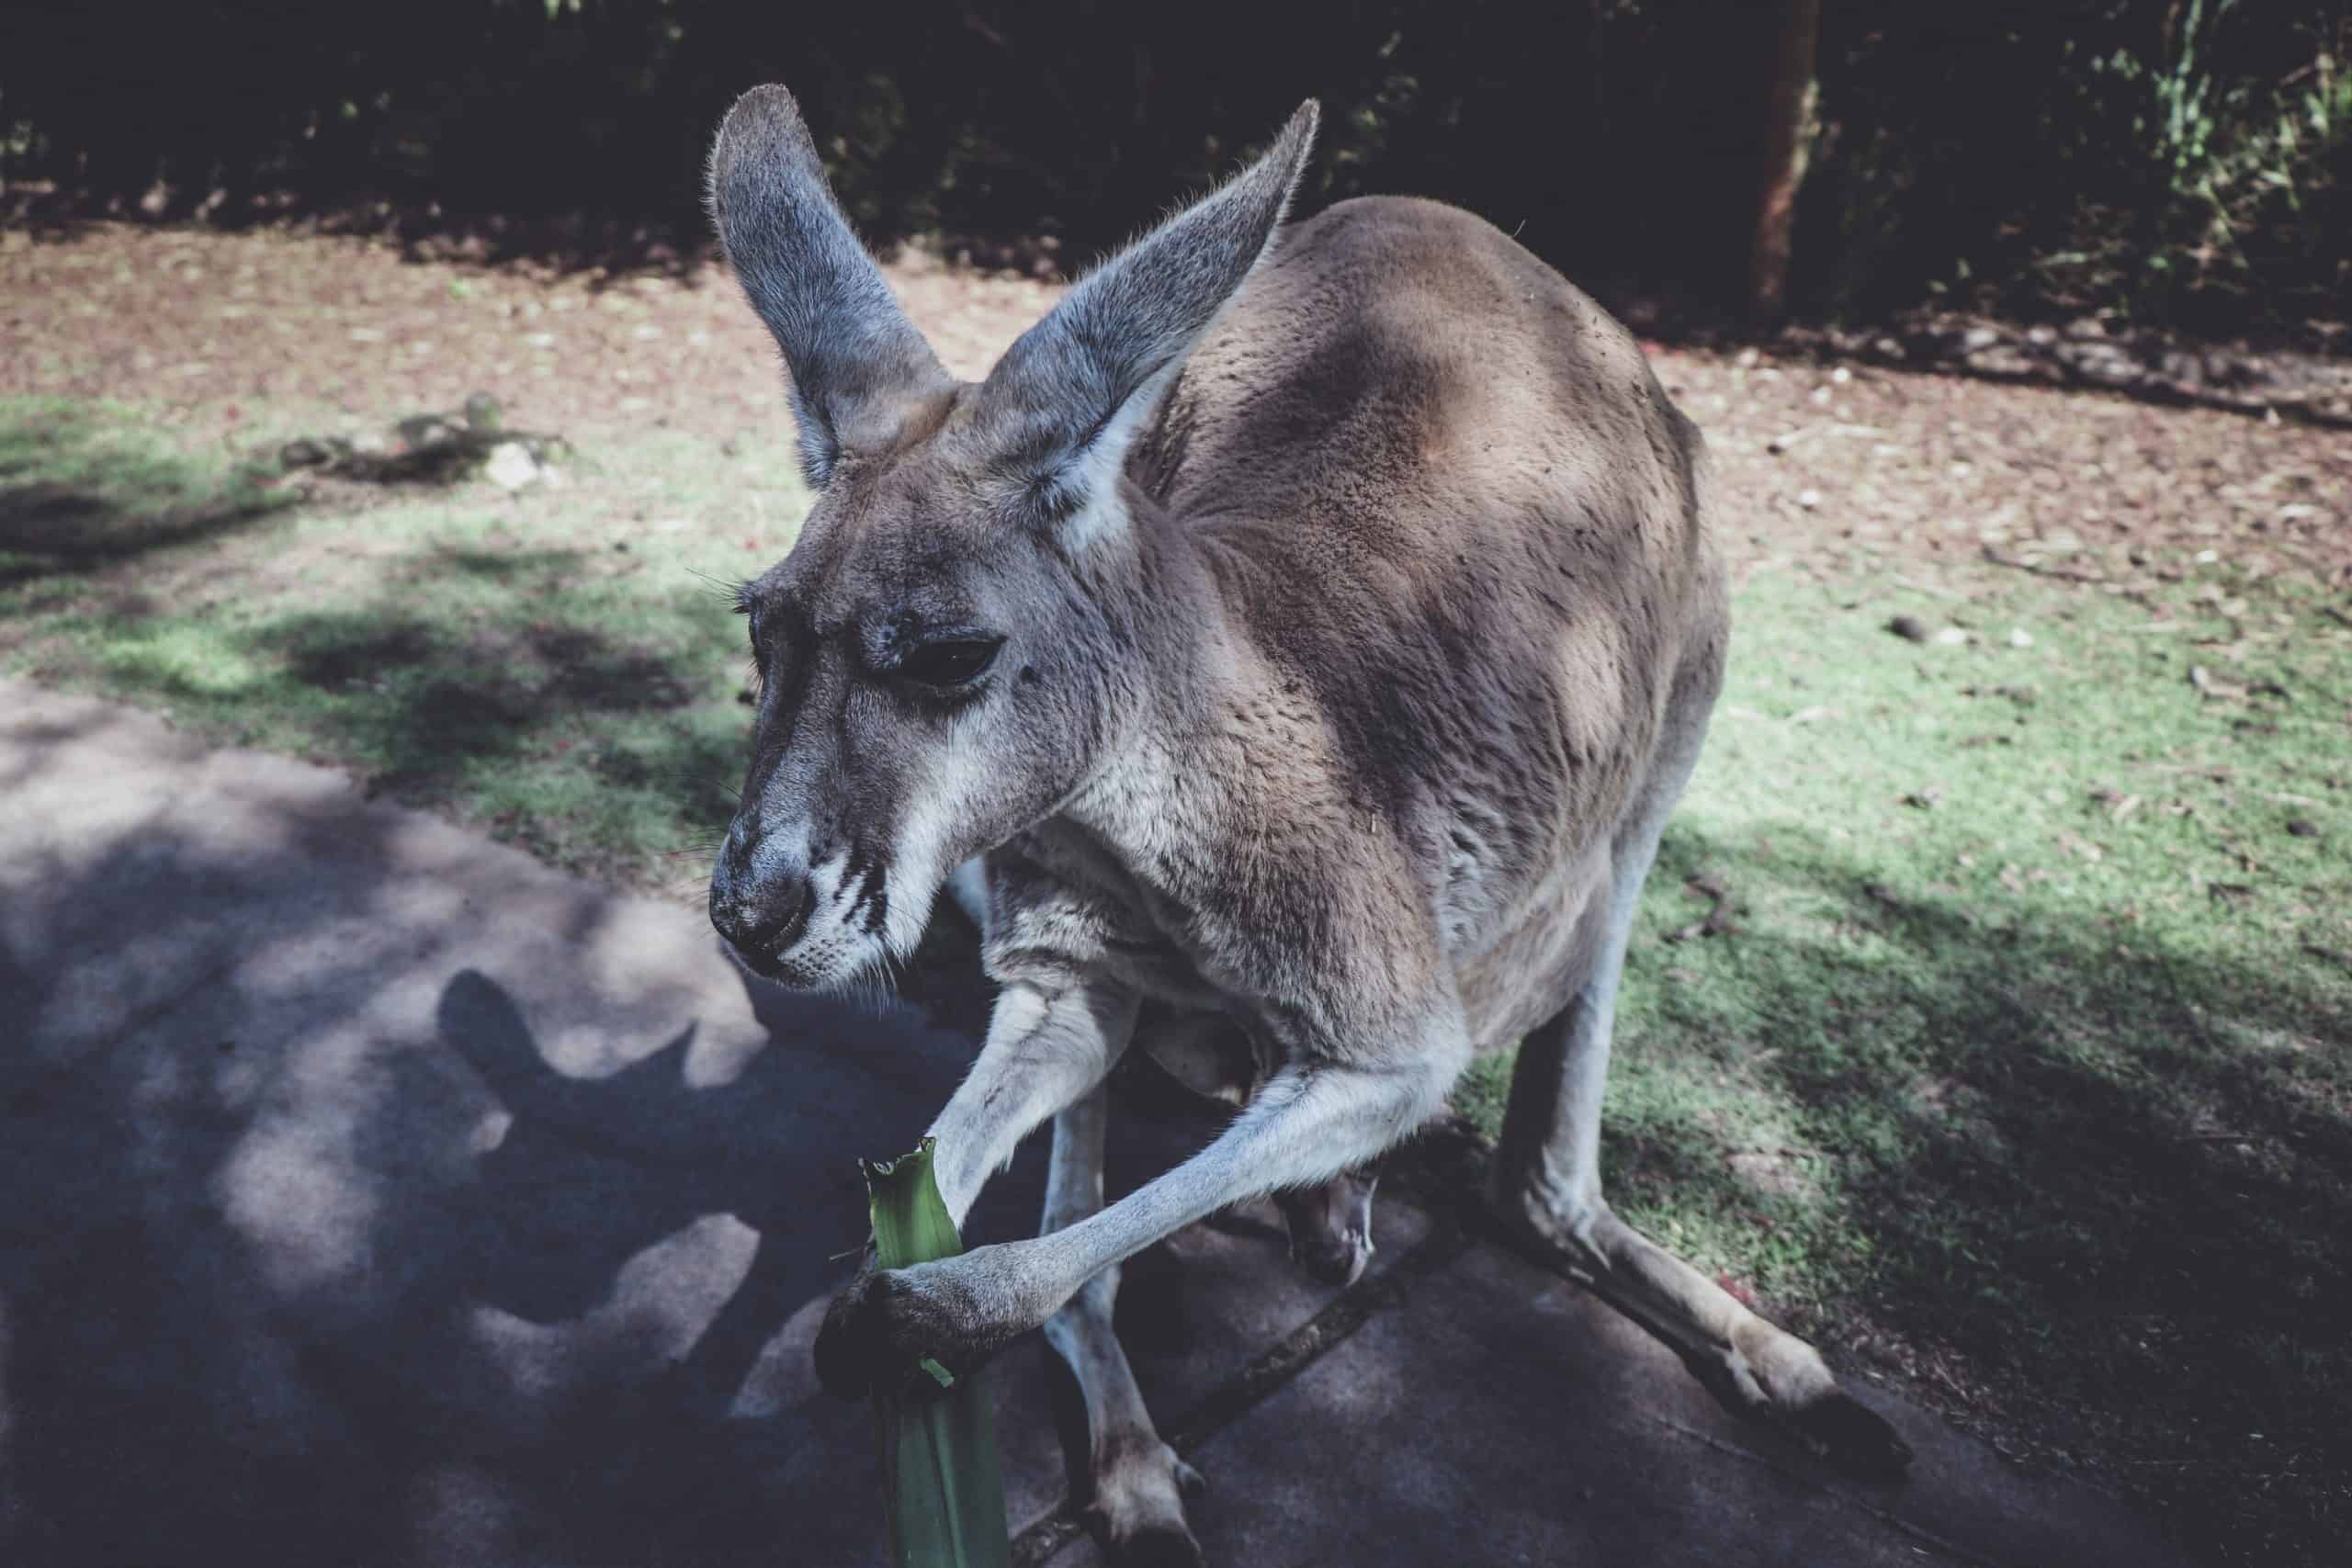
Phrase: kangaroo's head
x=947 y=651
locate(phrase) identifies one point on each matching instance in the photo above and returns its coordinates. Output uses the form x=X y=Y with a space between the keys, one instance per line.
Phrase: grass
x=557 y=666
x=2023 y=1077
x=2026 y=1073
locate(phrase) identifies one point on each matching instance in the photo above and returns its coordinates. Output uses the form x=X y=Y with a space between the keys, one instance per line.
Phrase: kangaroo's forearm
x=1043 y=1052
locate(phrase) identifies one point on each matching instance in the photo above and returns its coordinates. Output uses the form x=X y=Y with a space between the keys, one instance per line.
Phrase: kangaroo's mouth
x=817 y=961
x=766 y=966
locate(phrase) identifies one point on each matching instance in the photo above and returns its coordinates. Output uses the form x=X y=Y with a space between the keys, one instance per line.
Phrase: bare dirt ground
x=1839 y=466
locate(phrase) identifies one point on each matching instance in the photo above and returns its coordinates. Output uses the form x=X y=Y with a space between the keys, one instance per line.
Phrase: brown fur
x=1347 y=621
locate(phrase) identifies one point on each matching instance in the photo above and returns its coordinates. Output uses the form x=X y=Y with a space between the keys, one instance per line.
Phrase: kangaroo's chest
x=1061 y=889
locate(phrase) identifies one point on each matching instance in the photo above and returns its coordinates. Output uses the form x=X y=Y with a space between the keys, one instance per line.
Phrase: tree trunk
x=1787 y=120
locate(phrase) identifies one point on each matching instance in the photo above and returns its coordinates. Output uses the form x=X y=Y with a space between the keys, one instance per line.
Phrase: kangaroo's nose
x=761 y=917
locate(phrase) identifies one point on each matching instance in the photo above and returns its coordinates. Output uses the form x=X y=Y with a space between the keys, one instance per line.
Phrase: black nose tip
x=767 y=922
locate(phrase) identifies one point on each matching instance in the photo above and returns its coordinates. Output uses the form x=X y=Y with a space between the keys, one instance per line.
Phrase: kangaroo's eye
x=950 y=663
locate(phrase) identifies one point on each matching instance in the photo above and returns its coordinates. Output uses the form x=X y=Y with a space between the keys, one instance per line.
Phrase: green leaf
x=941 y=1484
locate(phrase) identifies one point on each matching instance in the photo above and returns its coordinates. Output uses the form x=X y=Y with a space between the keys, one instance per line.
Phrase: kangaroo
x=1309 y=631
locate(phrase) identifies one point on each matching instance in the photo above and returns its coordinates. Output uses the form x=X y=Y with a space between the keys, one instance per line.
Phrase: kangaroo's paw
x=1138 y=1507
x=1330 y=1228
x=1778 y=1376
x=1754 y=1367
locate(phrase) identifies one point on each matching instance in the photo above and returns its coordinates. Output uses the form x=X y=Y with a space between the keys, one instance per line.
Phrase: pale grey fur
x=1354 y=622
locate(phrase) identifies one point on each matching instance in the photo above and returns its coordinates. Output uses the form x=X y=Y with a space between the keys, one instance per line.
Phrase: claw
x=1158 y=1548
x=1138 y=1509
x=843 y=1353
x=883 y=1327
x=1853 y=1436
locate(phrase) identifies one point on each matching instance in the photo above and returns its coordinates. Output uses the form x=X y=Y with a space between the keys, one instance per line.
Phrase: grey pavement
x=370 y=1193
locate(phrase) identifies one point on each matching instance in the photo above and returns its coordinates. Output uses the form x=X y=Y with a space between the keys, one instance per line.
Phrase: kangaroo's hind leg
x=1546 y=1187
x=1139 y=1484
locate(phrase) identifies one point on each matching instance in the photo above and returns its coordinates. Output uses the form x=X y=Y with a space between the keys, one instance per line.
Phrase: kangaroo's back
x=1447 y=493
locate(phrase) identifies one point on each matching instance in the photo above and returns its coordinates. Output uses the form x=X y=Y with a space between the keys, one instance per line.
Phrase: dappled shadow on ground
x=2088 y=1182
x=369 y=1195
x=508 y=680
x=310 y=1247
x=71 y=502
x=426 y=702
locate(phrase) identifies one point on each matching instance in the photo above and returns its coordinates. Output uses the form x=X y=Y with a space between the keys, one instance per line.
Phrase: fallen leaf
x=1706 y=885
x=2073 y=844
x=2212 y=688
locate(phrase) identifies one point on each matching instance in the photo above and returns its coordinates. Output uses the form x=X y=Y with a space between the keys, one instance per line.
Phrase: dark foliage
x=2038 y=154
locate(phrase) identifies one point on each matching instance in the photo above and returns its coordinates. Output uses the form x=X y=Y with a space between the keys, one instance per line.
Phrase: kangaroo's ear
x=855 y=359
x=1072 y=393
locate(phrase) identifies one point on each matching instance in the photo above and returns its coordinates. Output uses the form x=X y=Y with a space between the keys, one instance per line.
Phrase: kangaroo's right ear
x=855 y=359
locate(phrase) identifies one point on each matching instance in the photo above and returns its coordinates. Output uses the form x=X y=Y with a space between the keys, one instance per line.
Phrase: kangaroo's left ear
x=1073 y=392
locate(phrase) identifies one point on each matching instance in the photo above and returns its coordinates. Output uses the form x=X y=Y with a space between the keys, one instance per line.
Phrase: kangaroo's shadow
x=591 y=1172
x=593 y=1175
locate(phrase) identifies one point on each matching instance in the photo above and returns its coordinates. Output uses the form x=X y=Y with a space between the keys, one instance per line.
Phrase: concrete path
x=372 y=1194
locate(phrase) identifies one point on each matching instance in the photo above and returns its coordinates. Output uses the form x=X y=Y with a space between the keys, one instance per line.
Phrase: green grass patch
x=2026 y=1070
x=2024 y=1075
x=558 y=666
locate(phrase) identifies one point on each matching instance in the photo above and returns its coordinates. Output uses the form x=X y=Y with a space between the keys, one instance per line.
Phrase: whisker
x=729 y=590
x=693 y=783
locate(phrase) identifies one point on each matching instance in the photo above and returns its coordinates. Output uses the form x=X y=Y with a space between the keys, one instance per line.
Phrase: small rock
x=1924 y=799
x=424 y=430
x=1951 y=637
x=1976 y=338
x=1808 y=498
x=2020 y=637
x=1910 y=628
x=510 y=467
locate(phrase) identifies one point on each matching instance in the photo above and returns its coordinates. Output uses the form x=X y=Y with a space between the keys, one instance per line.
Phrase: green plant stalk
x=942 y=1489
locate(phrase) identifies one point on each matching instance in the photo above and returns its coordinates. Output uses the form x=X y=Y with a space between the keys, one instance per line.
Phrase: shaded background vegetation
x=2180 y=161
